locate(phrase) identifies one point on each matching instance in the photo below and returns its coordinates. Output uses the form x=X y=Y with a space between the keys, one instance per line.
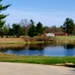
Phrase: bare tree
x=25 y=24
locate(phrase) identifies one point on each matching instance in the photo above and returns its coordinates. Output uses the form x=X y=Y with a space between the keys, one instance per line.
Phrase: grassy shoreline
x=38 y=40
x=37 y=59
x=65 y=39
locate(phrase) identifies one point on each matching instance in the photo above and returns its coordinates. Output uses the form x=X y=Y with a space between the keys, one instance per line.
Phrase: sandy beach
x=33 y=69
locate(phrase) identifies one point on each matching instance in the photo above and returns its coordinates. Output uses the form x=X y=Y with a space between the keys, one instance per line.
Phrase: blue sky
x=49 y=12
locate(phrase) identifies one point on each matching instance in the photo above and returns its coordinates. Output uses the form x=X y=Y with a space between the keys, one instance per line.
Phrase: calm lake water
x=40 y=50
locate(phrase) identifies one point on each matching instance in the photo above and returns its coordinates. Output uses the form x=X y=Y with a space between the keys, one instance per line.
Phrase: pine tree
x=68 y=26
x=32 y=31
x=40 y=28
x=2 y=16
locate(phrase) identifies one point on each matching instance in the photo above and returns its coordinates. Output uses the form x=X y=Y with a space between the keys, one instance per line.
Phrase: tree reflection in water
x=38 y=49
x=69 y=46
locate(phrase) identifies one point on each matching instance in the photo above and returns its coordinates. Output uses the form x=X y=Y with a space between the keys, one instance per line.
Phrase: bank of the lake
x=21 y=40
x=34 y=40
x=38 y=59
x=65 y=39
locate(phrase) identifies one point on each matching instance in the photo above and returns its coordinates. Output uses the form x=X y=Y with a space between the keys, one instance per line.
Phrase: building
x=60 y=34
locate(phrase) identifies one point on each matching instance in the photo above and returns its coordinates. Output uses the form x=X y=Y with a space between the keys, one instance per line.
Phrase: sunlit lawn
x=36 y=59
x=66 y=37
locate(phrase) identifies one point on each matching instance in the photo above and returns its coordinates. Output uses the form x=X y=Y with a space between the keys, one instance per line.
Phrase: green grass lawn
x=36 y=59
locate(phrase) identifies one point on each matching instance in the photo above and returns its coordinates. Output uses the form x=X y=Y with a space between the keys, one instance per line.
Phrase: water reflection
x=38 y=49
x=69 y=46
x=69 y=49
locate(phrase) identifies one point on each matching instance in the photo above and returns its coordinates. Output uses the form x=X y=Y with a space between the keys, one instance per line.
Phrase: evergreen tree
x=6 y=30
x=2 y=16
x=68 y=26
x=39 y=28
x=17 y=30
x=32 y=31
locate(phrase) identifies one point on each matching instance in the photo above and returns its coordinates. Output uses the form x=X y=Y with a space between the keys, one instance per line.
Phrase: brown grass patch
x=12 y=40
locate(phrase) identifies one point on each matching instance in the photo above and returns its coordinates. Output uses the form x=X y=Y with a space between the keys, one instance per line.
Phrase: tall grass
x=65 y=39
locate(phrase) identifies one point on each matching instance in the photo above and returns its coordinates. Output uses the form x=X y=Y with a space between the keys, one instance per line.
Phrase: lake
x=38 y=50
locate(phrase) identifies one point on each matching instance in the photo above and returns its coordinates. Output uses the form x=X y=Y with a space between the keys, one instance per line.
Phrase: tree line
x=31 y=29
x=67 y=27
x=22 y=30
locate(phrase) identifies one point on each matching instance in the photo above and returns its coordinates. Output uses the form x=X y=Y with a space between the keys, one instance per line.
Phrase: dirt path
x=33 y=69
